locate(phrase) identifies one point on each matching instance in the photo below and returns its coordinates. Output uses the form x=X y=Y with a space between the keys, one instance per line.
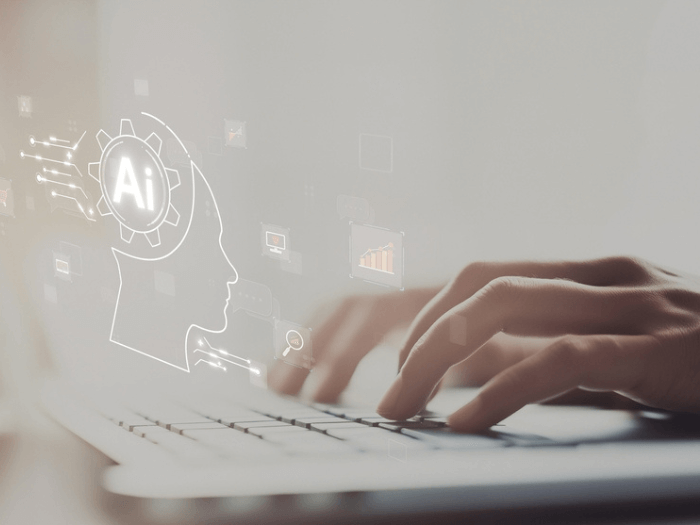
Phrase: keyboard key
x=356 y=433
x=124 y=417
x=181 y=427
x=228 y=414
x=165 y=411
x=166 y=422
x=361 y=415
x=381 y=443
x=149 y=430
x=235 y=445
x=136 y=421
x=294 y=438
x=291 y=416
x=411 y=443
x=396 y=426
x=177 y=414
x=330 y=409
x=441 y=421
x=323 y=427
x=187 y=449
x=275 y=406
x=353 y=414
x=375 y=421
x=265 y=432
x=308 y=421
x=248 y=448
x=245 y=426
x=213 y=435
x=252 y=417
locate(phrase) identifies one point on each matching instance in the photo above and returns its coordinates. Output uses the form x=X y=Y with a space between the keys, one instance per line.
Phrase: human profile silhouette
x=179 y=279
x=160 y=301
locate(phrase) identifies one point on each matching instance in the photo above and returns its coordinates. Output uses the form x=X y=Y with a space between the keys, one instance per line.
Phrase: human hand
x=619 y=324
x=344 y=333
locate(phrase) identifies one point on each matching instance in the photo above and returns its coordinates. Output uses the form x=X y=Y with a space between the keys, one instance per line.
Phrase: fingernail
x=391 y=398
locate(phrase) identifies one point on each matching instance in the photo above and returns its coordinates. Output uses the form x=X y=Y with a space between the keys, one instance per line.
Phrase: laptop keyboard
x=209 y=433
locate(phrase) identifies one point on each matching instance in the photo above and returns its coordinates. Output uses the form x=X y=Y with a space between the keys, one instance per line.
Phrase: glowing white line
x=46 y=143
x=81 y=138
x=231 y=355
x=54 y=139
x=225 y=352
x=65 y=163
x=56 y=172
x=71 y=186
x=37 y=157
x=170 y=130
x=210 y=354
x=156 y=119
x=210 y=364
x=76 y=201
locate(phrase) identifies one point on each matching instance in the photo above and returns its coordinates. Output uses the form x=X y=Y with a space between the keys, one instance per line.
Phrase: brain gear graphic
x=135 y=184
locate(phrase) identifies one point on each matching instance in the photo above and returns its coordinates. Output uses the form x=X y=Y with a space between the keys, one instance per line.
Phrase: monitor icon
x=276 y=242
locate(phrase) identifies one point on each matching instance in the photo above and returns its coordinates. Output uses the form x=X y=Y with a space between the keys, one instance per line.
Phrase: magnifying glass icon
x=294 y=342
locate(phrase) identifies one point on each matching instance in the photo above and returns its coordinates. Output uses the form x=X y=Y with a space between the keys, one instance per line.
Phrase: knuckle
x=504 y=288
x=602 y=352
x=629 y=262
x=680 y=297
x=469 y=274
x=632 y=267
x=570 y=350
x=657 y=309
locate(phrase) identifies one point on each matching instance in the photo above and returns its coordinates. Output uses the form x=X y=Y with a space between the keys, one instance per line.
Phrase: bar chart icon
x=380 y=259
x=376 y=255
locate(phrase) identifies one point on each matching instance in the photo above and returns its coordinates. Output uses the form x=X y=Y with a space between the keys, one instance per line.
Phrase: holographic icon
x=294 y=342
x=354 y=208
x=135 y=184
x=235 y=133
x=62 y=266
x=379 y=259
x=376 y=255
x=275 y=241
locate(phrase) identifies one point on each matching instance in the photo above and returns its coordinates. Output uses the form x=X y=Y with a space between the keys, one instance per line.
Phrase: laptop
x=169 y=221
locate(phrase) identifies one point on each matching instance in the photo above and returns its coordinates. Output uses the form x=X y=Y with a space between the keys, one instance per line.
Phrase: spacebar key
x=446 y=438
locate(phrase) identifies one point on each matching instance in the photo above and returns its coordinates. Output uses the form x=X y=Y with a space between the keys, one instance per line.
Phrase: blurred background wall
x=520 y=129
x=540 y=129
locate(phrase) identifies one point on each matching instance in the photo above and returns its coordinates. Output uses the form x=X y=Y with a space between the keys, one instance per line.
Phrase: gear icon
x=136 y=186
